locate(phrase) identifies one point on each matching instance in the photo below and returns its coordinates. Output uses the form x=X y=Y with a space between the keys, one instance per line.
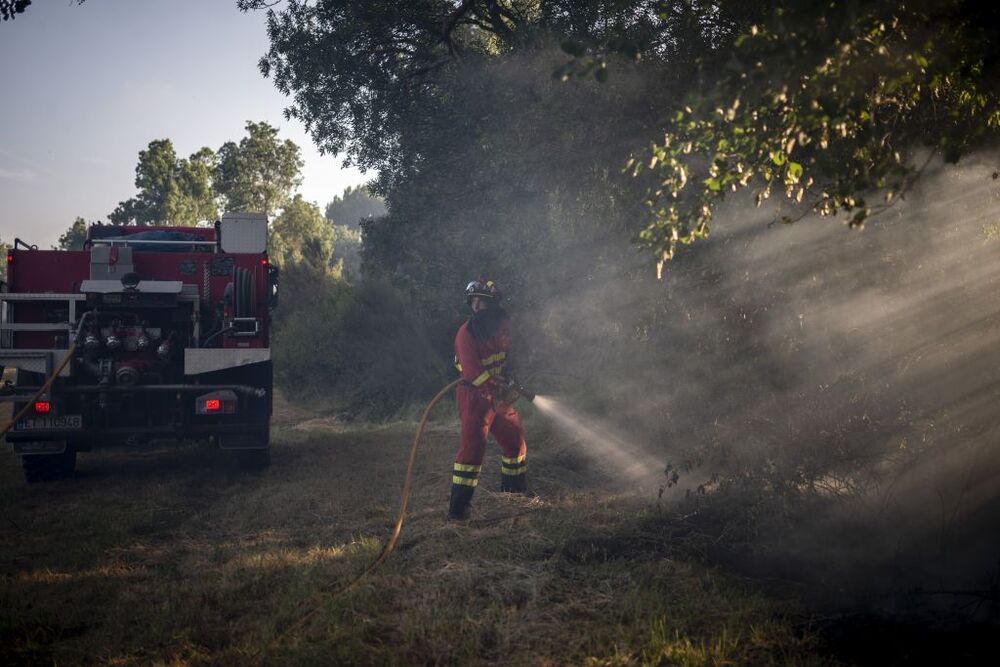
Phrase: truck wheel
x=48 y=467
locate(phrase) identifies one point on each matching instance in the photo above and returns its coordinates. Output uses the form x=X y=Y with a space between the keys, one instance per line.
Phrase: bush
x=361 y=347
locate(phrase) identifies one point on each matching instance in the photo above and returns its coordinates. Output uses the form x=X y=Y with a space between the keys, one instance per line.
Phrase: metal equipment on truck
x=164 y=331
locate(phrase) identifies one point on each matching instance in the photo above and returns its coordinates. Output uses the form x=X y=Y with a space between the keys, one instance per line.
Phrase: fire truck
x=147 y=333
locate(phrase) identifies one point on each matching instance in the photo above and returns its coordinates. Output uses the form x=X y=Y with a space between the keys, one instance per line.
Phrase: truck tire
x=48 y=467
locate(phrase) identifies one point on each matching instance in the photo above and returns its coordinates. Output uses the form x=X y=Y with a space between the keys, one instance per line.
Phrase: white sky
x=84 y=88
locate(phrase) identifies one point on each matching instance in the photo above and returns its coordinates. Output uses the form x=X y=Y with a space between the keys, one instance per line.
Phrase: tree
x=355 y=204
x=9 y=9
x=172 y=191
x=362 y=75
x=4 y=247
x=837 y=105
x=355 y=69
x=347 y=249
x=259 y=173
x=302 y=236
x=346 y=212
x=73 y=238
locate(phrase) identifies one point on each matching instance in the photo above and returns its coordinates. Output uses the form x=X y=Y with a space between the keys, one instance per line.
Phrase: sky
x=85 y=87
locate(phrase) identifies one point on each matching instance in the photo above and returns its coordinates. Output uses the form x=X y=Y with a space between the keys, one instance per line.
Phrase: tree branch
x=453 y=20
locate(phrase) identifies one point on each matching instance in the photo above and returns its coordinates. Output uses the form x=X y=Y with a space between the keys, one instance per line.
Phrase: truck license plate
x=60 y=423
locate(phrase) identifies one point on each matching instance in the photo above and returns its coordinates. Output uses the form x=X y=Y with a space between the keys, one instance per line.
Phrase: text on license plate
x=61 y=422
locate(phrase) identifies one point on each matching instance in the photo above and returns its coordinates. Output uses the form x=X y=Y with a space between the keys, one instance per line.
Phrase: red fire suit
x=482 y=364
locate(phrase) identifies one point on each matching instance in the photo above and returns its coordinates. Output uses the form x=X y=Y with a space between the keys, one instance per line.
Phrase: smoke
x=831 y=390
x=840 y=386
x=606 y=449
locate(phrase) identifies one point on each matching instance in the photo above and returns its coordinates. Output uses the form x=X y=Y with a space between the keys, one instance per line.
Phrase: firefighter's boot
x=513 y=478
x=461 y=497
x=514 y=483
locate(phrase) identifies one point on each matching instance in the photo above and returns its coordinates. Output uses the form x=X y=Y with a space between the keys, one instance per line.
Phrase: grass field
x=168 y=556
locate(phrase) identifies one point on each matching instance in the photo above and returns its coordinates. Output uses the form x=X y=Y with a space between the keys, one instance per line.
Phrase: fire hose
x=390 y=545
x=513 y=389
x=397 y=529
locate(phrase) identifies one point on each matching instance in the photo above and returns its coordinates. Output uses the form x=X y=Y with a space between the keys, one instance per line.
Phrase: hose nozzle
x=530 y=395
x=513 y=390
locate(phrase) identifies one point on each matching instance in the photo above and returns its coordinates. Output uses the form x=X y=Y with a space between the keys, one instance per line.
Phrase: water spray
x=595 y=439
x=611 y=449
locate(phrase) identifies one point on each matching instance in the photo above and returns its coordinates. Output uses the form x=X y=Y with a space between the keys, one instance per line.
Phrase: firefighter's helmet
x=486 y=289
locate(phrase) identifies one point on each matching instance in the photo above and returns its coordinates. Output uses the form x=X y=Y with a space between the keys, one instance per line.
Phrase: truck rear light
x=263 y=261
x=43 y=407
x=10 y=258
x=222 y=402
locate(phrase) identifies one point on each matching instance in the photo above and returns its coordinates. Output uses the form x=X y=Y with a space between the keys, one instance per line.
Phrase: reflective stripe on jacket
x=481 y=361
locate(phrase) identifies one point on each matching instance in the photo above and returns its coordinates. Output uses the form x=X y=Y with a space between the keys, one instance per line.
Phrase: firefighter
x=482 y=349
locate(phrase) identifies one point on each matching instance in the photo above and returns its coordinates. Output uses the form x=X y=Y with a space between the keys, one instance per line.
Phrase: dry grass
x=166 y=556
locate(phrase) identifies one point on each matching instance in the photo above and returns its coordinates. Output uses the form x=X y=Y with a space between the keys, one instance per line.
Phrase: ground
x=167 y=555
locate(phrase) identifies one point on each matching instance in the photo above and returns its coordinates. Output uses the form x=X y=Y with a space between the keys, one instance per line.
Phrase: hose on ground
x=407 y=488
x=397 y=529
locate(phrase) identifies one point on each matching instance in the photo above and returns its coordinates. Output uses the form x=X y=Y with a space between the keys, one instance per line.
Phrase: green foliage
x=354 y=69
x=362 y=348
x=346 y=212
x=9 y=9
x=347 y=249
x=259 y=173
x=73 y=238
x=830 y=105
x=354 y=205
x=302 y=236
x=172 y=191
x=489 y=165
x=4 y=247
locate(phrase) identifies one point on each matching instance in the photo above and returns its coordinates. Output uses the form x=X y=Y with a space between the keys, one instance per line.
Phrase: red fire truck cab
x=171 y=328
